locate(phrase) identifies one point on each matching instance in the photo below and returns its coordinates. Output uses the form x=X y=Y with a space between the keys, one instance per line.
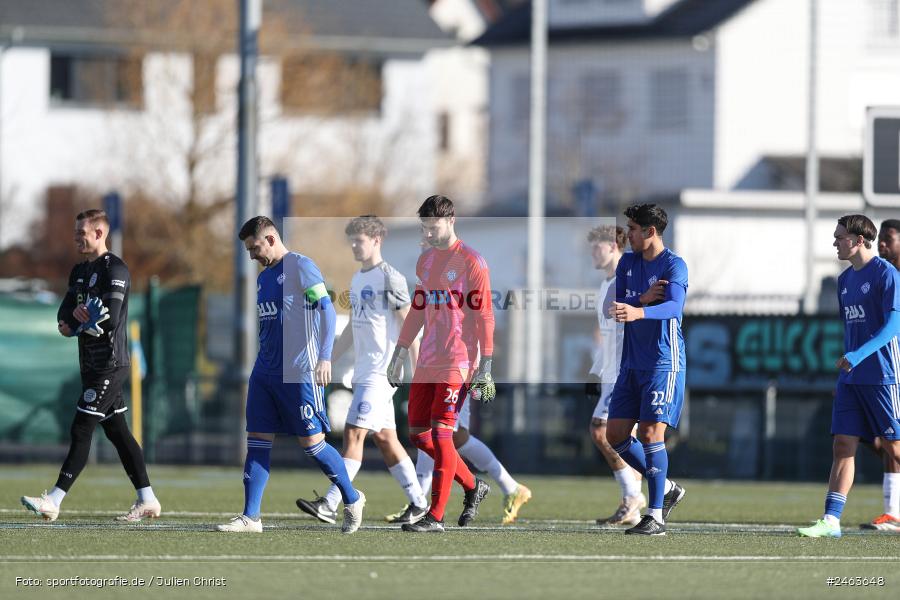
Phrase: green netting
x=39 y=378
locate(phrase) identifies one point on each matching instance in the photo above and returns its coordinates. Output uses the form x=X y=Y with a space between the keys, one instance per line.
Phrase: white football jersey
x=375 y=296
x=608 y=354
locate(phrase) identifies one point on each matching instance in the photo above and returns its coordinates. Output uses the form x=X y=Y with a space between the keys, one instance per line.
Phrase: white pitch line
x=443 y=558
x=303 y=517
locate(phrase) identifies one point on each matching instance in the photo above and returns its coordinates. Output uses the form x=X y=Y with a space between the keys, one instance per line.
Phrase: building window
x=96 y=80
x=884 y=20
x=600 y=100
x=329 y=83
x=669 y=100
x=203 y=92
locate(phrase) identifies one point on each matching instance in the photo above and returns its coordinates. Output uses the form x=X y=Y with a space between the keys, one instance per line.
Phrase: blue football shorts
x=274 y=406
x=866 y=411
x=652 y=396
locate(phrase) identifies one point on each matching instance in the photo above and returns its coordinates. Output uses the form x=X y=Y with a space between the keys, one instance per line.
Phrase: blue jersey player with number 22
x=651 y=284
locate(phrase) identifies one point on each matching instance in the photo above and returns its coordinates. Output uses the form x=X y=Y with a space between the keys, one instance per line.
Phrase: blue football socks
x=657 y=461
x=332 y=464
x=256 y=474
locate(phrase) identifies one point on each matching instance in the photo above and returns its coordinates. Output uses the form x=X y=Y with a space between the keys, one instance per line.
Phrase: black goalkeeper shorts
x=101 y=392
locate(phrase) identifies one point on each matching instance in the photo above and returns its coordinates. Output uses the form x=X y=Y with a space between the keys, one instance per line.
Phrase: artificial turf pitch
x=726 y=540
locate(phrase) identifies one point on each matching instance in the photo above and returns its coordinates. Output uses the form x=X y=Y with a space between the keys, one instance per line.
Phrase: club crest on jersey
x=90 y=395
x=281 y=279
x=451 y=275
x=93 y=280
x=865 y=288
x=652 y=280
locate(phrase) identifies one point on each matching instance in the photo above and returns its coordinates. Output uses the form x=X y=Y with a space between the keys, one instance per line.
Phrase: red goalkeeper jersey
x=453 y=301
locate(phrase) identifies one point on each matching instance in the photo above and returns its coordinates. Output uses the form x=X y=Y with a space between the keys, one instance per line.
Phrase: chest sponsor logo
x=843 y=291
x=854 y=312
x=267 y=310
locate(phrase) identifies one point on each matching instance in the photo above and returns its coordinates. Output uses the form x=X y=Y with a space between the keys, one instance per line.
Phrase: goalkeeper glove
x=97 y=314
x=482 y=387
x=395 y=367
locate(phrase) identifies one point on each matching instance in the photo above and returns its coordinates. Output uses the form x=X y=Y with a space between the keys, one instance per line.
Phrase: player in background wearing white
x=515 y=495
x=379 y=299
x=607 y=243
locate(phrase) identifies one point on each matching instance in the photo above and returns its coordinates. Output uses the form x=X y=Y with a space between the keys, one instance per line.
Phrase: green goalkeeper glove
x=395 y=367
x=482 y=387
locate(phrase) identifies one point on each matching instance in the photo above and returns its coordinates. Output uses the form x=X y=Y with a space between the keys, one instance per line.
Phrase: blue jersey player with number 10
x=867 y=398
x=286 y=391
x=651 y=285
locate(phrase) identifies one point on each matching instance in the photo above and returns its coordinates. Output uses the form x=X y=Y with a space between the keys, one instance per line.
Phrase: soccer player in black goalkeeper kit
x=95 y=310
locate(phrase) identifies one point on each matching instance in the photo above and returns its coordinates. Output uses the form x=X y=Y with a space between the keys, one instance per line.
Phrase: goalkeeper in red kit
x=453 y=301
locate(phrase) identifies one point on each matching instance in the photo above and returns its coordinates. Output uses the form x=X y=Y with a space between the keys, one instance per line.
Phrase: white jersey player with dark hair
x=379 y=300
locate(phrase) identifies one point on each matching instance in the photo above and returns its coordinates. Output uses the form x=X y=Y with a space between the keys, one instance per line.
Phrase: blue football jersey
x=651 y=344
x=289 y=321
x=866 y=299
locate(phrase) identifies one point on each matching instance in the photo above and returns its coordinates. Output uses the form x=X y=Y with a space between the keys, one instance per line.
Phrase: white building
x=662 y=99
x=90 y=100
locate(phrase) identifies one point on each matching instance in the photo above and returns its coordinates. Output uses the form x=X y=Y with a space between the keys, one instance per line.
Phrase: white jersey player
x=607 y=243
x=379 y=299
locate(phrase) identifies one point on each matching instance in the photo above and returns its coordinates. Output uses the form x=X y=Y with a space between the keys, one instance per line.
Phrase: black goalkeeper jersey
x=107 y=278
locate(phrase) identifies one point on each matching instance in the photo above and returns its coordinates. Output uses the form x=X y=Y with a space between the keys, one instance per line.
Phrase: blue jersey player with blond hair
x=286 y=392
x=649 y=390
x=867 y=398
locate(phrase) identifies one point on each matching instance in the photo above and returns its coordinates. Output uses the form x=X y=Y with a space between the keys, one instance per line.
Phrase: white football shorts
x=373 y=406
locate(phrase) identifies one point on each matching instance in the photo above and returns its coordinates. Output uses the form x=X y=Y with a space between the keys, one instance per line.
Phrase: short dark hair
x=860 y=225
x=368 y=225
x=93 y=216
x=436 y=206
x=648 y=215
x=608 y=233
x=254 y=227
x=891 y=224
